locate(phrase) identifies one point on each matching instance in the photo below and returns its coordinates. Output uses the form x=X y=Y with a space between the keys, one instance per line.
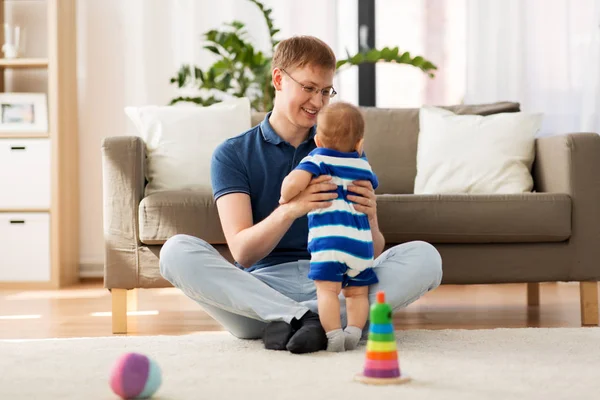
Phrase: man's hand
x=311 y=198
x=366 y=202
x=366 y=199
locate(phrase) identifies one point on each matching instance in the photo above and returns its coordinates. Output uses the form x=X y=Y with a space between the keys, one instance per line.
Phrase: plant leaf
x=221 y=66
x=373 y=55
x=340 y=63
x=199 y=74
x=197 y=100
x=404 y=58
x=182 y=76
x=211 y=35
x=225 y=83
x=386 y=54
x=237 y=25
x=418 y=61
x=428 y=65
x=357 y=58
x=213 y=49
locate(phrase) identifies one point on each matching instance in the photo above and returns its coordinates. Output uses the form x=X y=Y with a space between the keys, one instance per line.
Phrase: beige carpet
x=558 y=363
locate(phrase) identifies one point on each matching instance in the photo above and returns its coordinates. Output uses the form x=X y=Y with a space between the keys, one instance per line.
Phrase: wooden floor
x=84 y=311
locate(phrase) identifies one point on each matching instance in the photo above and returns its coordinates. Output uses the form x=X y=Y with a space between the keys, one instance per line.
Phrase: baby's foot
x=352 y=335
x=335 y=340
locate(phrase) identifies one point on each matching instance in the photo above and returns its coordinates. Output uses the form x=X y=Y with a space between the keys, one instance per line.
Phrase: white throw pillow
x=475 y=154
x=180 y=140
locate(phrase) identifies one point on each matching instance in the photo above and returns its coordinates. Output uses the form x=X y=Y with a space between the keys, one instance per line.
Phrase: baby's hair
x=340 y=126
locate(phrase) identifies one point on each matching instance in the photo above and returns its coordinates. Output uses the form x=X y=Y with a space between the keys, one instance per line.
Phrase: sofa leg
x=588 y=292
x=132 y=300
x=533 y=294
x=119 y=310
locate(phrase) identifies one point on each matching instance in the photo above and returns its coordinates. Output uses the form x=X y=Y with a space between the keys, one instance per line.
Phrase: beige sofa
x=552 y=234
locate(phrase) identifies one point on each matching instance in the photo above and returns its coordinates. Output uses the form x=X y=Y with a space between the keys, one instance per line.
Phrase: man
x=268 y=293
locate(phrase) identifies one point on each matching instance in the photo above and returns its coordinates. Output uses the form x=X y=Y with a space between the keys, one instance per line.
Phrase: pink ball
x=135 y=376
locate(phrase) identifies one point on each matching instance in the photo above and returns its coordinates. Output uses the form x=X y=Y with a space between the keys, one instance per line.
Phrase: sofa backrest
x=391 y=136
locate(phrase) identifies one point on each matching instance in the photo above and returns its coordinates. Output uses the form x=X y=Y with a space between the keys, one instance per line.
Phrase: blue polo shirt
x=255 y=163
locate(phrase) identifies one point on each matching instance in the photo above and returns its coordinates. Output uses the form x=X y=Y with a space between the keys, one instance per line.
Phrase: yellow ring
x=381 y=346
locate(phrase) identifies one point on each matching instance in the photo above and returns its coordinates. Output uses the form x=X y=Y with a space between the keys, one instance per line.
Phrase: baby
x=339 y=239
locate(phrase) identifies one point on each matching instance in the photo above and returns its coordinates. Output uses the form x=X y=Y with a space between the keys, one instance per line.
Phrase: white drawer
x=24 y=173
x=25 y=247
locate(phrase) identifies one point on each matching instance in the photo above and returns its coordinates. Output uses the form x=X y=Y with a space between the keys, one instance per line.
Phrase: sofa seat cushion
x=529 y=217
x=168 y=213
x=465 y=218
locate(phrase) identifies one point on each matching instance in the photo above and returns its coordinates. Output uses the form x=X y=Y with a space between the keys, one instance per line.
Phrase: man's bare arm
x=250 y=243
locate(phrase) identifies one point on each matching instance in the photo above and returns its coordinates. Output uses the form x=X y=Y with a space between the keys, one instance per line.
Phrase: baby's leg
x=357 y=308
x=329 y=313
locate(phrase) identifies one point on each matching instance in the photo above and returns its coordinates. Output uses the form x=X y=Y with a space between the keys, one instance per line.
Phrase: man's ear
x=359 y=146
x=277 y=77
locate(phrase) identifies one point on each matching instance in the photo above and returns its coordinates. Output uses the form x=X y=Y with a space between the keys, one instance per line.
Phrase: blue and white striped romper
x=339 y=237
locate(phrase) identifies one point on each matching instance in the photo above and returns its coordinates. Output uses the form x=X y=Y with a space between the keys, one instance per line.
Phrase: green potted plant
x=243 y=71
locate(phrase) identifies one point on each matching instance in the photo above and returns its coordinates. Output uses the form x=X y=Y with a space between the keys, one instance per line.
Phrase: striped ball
x=135 y=376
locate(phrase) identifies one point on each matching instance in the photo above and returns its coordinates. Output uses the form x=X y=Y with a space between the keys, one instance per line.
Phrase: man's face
x=297 y=95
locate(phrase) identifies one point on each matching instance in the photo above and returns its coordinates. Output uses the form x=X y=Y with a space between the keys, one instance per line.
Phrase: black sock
x=309 y=336
x=277 y=334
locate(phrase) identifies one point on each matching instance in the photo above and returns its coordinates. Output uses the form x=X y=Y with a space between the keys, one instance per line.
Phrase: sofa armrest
x=123 y=179
x=571 y=164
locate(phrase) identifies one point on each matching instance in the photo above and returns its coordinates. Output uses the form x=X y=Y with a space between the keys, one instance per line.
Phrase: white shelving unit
x=39 y=177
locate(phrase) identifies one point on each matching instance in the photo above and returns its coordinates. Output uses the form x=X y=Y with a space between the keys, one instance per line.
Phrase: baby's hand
x=282 y=200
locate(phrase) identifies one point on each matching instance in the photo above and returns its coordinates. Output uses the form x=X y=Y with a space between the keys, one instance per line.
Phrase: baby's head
x=341 y=127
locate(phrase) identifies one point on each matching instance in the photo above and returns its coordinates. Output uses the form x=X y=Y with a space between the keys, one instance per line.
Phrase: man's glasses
x=326 y=93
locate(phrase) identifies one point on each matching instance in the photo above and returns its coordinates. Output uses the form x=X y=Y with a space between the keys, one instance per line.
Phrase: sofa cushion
x=475 y=154
x=165 y=214
x=464 y=218
x=391 y=138
x=181 y=139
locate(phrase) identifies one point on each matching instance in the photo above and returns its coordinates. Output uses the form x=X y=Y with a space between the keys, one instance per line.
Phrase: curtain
x=544 y=54
x=434 y=29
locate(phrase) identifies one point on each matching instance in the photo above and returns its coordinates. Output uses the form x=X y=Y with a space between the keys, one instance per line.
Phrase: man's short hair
x=299 y=51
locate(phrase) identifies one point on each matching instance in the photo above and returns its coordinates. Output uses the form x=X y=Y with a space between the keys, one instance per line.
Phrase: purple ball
x=135 y=376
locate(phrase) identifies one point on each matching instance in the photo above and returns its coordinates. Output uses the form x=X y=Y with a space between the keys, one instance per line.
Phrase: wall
x=109 y=77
